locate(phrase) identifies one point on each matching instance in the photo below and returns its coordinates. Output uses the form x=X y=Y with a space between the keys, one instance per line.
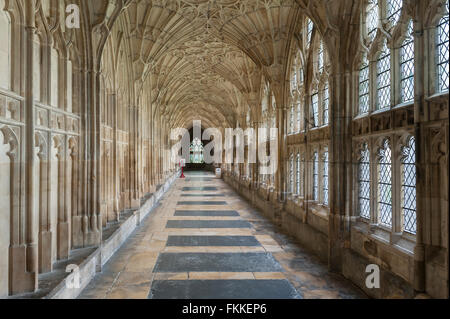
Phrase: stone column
x=24 y=251
x=115 y=156
x=340 y=167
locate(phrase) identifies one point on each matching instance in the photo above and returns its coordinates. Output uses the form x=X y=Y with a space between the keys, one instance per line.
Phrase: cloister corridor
x=325 y=124
x=204 y=241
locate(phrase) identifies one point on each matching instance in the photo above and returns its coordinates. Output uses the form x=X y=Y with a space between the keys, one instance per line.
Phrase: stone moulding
x=94 y=263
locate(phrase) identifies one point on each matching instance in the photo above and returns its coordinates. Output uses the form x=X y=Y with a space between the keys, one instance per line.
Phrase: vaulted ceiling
x=205 y=58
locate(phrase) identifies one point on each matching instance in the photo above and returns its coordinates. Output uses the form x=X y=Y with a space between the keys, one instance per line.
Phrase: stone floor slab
x=202 y=203
x=208 y=224
x=202 y=195
x=204 y=188
x=212 y=241
x=217 y=262
x=207 y=213
x=223 y=289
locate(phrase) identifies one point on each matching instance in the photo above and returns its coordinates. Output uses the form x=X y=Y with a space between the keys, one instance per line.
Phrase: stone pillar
x=340 y=167
x=23 y=251
x=115 y=155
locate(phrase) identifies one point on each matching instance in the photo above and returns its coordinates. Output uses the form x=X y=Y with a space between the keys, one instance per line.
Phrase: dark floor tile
x=205 y=188
x=199 y=179
x=208 y=224
x=223 y=289
x=207 y=213
x=217 y=262
x=202 y=203
x=202 y=195
x=214 y=241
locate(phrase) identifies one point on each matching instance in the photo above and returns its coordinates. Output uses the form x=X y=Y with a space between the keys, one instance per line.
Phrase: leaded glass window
x=316 y=177
x=394 y=9
x=196 y=150
x=409 y=186
x=325 y=178
x=385 y=185
x=299 y=115
x=372 y=17
x=294 y=81
x=364 y=183
x=407 y=65
x=364 y=86
x=442 y=51
x=302 y=174
x=291 y=174
x=291 y=120
x=320 y=57
x=298 y=175
x=309 y=27
x=384 y=78
x=326 y=104
x=315 y=108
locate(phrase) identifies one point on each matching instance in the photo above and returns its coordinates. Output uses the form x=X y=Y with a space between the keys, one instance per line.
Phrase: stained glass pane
x=364 y=86
x=394 y=9
x=315 y=107
x=364 y=183
x=385 y=185
x=442 y=51
x=407 y=65
x=326 y=104
x=384 y=78
x=325 y=178
x=409 y=187
x=316 y=176
x=372 y=18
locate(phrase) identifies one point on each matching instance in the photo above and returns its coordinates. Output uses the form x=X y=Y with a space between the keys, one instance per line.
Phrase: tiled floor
x=209 y=249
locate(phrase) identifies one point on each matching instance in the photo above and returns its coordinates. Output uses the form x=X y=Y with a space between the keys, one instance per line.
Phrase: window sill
x=401 y=242
x=403 y=105
x=377 y=112
x=438 y=97
x=318 y=209
x=361 y=116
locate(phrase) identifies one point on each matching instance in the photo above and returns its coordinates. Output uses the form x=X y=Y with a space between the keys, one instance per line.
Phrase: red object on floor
x=182 y=173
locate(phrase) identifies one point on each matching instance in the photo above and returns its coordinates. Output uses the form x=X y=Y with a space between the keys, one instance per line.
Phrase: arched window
x=442 y=52
x=407 y=65
x=372 y=18
x=316 y=176
x=291 y=174
x=364 y=183
x=394 y=9
x=384 y=78
x=299 y=115
x=364 y=86
x=385 y=185
x=409 y=186
x=298 y=175
x=315 y=108
x=196 y=151
x=326 y=104
x=325 y=177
